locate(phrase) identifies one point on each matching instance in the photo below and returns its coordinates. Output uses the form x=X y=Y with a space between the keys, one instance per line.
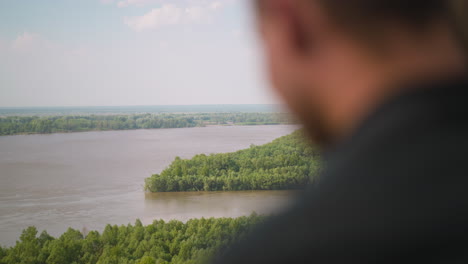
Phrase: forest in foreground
x=286 y=163
x=195 y=241
x=14 y=125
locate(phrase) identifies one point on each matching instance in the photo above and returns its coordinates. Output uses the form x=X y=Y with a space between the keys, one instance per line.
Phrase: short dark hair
x=411 y=12
x=368 y=15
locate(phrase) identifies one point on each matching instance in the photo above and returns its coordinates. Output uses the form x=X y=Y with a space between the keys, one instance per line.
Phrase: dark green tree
x=286 y=163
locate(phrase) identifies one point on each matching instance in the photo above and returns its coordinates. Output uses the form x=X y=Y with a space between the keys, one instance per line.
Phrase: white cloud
x=25 y=41
x=214 y=4
x=195 y=13
x=166 y=15
x=170 y=14
x=125 y=3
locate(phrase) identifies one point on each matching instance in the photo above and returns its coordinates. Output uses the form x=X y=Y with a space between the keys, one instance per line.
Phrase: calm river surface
x=87 y=180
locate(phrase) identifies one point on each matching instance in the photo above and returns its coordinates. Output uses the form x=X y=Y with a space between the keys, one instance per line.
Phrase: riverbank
x=27 y=125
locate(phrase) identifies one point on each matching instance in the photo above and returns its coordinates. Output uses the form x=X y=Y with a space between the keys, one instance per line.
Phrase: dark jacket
x=395 y=191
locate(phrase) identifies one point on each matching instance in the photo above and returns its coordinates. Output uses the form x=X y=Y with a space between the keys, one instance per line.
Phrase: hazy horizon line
x=83 y=106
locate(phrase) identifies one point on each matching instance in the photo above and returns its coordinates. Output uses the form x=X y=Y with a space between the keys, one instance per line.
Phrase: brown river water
x=87 y=180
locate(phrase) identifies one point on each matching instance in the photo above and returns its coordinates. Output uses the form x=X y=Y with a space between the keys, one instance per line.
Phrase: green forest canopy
x=195 y=241
x=286 y=163
x=13 y=125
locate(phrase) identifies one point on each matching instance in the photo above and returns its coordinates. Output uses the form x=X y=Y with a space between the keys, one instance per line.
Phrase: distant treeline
x=13 y=125
x=195 y=241
x=286 y=163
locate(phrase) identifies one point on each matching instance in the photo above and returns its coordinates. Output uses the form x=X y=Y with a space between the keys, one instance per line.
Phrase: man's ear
x=300 y=38
x=300 y=21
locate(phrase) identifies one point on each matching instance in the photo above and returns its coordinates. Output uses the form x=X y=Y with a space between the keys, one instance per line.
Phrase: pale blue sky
x=129 y=52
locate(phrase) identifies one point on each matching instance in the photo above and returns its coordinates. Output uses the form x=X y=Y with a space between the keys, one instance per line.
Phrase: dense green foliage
x=285 y=163
x=12 y=125
x=172 y=242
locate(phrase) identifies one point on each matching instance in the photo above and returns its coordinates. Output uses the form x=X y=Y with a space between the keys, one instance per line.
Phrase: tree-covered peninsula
x=14 y=125
x=286 y=163
x=195 y=241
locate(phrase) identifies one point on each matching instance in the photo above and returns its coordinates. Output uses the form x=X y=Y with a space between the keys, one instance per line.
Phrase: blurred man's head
x=334 y=61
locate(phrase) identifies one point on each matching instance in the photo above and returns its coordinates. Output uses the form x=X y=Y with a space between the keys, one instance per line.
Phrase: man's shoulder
x=394 y=192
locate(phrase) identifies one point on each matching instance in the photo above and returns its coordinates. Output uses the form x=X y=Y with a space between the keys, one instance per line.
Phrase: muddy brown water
x=87 y=180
